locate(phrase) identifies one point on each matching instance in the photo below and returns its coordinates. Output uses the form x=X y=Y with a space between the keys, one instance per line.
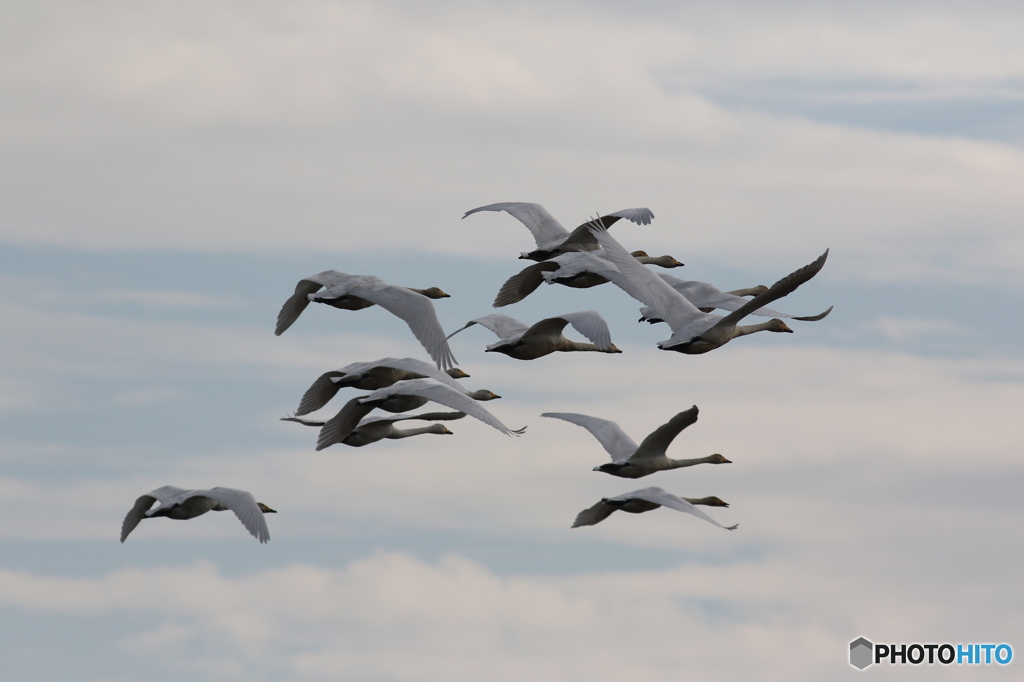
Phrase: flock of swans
x=585 y=257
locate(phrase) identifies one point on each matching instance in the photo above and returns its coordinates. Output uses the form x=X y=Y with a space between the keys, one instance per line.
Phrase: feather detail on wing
x=612 y=438
x=667 y=499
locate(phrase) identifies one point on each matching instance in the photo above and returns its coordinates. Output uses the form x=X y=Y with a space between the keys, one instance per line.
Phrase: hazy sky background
x=170 y=170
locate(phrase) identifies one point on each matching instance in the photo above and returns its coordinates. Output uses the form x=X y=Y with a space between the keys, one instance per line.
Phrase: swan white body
x=695 y=332
x=638 y=502
x=176 y=503
x=551 y=237
x=630 y=460
x=408 y=395
x=524 y=342
x=415 y=309
x=371 y=376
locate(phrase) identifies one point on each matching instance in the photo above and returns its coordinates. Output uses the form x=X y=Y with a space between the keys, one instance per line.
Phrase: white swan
x=645 y=500
x=402 y=397
x=694 y=332
x=553 y=239
x=630 y=460
x=576 y=269
x=176 y=503
x=354 y=292
x=374 y=428
x=707 y=297
x=524 y=342
x=369 y=376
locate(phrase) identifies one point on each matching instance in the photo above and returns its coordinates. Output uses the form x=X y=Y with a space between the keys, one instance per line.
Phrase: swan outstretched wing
x=667 y=499
x=784 y=286
x=505 y=326
x=546 y=230
x=445 y=395
x=167 y=495
x=581 y=238
x=612 y=438
x=657 y=441
x=645 y=286
x=243 y=504
x=519 y=286
x=592 y=515
x=704 y=295
x=136 y=514
x=591 y=325
x=298 y=301
x=415 y=309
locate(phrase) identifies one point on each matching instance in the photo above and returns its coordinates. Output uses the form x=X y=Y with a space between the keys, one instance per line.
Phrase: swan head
x=435 y=293
x=456 y=373
x=612 y=349
x=441 y=430
x=484 y=394
x=265 y=509
x=671 y=262
x=718 y=459
x=710 y=502
x=777 y=325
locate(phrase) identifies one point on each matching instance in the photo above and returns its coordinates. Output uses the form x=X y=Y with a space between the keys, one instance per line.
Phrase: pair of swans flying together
x=176 y=503
x=630 y=460
x=693 y=331
x=529 y=342
x=551 y=237
x=645 y=500
x=355 y=292
x=406 y=395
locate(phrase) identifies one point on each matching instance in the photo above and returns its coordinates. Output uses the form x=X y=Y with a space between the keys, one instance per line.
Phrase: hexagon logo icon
x=860 y=653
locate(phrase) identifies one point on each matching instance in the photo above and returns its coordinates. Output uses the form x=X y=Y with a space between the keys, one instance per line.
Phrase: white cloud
x=392 y=616
x=262 y=130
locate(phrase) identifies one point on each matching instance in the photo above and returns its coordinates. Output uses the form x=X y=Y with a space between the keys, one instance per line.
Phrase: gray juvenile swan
x=524 y=342
x=374 y=428
x=695 y=332
x=355 y=292
x=645 y=500
x=176 y=503
x=630 y=460
x=553 y=239
x=576 y=269
x=402 y=397
x=369 y=376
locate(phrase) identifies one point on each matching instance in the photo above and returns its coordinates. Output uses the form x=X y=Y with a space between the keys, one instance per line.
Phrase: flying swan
x=176 y=503
x=523 y=342
x=630 y=460
x=374 y=428
x=355 y=292
x=645 y=500
x=695 y=332
x=553 y=239
x=404 y=396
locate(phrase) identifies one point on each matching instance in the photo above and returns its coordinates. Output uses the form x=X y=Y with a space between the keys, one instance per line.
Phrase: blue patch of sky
x=993 y=113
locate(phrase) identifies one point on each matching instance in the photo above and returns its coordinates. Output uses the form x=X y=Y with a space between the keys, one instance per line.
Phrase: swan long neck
x=752 y=328
x=406 y=433
x=680 y=463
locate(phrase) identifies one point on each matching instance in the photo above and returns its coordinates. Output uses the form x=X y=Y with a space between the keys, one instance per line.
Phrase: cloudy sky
x=170 y=170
